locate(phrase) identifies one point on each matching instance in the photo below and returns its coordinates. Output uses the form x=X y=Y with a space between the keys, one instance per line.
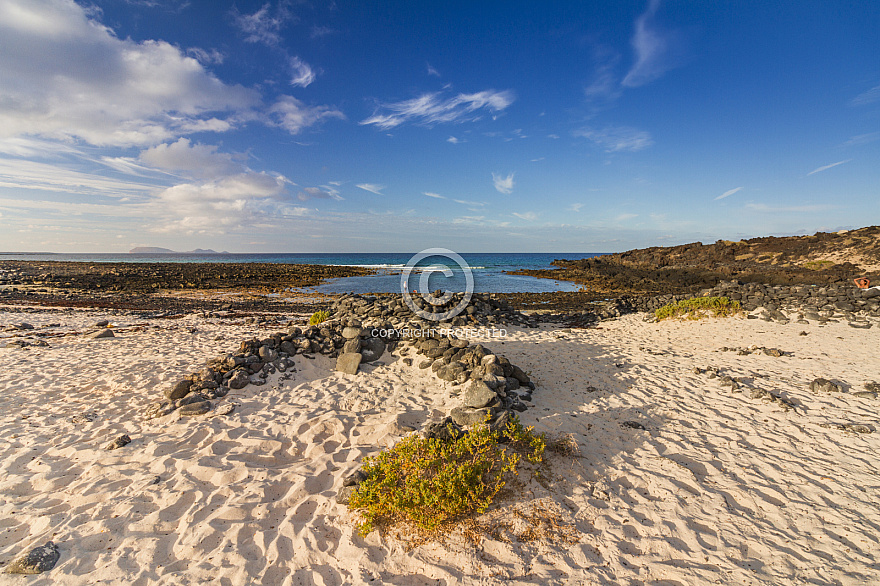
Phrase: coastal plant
x=698 y=308
x=818 y=265
x=318 y=317
x=428 y=484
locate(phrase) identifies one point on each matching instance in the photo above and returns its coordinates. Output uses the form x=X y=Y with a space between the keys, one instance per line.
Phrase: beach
x=679 y=478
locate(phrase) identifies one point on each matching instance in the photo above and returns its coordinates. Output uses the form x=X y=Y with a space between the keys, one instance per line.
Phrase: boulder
x=478 y=395
x=372 y=349
x=467 y=416
x=349 y=363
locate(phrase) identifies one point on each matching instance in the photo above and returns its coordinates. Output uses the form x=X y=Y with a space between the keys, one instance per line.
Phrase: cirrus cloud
x=430 y=109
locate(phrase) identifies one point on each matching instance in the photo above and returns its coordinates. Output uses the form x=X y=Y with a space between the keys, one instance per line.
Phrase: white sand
x=720 y=488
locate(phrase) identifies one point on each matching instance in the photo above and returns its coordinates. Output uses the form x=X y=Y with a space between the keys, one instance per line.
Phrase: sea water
x=488 y=269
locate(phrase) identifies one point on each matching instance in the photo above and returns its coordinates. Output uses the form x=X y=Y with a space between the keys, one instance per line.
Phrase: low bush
x=429 y=484
x=319 y=317
x=699 y=307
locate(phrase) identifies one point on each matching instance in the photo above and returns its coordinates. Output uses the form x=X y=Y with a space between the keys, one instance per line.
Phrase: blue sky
x=395 y=126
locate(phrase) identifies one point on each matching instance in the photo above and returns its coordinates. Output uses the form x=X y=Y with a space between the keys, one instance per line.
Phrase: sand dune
x=718 y=487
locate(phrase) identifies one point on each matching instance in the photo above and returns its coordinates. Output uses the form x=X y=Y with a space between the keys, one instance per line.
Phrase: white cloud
x=292 y=115
x=469 y=220
x=322 y=192
x=430 y=109
x=861 y=139
x=212 y=57
x=216 y=206
x=142 y=92
x=432 y=71
x=538 y=159
x=868 y=97
x=625 y=217
x=199 y=160
x=617 y=138
x=654 y=50
x=528 y=216
x=453 y=140
x=503 y=184
x=33 y=175
x=575 y=207
x=466 y=202
x=434 y=195
x=372 y=188
x=604 y=86
x=728 y=193
x=302 y=73
x=826 y=167
x=264 y=25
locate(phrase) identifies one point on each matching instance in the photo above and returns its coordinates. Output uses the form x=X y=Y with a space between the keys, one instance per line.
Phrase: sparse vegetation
x=429 y=484
x=319 y=317
x=699 y=307
x=818 y=265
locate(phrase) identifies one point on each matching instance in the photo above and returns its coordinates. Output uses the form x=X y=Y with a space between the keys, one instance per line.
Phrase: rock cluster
x=360 y=330
x=812 y=302
x=484 y=309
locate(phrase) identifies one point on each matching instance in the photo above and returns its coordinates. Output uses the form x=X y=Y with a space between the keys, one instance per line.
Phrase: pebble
x=121 y=441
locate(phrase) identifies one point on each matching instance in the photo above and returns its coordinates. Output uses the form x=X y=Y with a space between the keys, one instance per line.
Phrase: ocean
x=488 y=269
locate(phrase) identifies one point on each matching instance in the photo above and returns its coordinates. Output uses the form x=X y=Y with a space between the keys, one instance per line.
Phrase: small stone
x=194 y=409
x=36 y=561
x=268 y=354
x=224 y=409
x=443 y=430
x=350 y=333
x=633 y=425
x=121 y=441
x=873 y=387
x=822 y=384
x=352 y=346
x=865 y=394
x=349 y=363
x=239 y=380
x=343 y=497
x=106 y=333
x=355 y=478
x=179 y=390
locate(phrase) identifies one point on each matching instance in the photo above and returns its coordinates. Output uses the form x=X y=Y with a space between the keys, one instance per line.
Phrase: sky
x=395 y=126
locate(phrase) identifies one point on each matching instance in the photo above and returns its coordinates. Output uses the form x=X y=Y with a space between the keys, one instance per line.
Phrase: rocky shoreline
x=164 y=285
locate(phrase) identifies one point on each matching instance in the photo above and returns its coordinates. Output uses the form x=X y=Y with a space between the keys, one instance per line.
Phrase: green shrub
x=319 y=317
x=428 y=484
x=699 y=307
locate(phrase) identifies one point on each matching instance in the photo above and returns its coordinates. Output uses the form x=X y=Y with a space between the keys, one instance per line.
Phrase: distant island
x=158 y=250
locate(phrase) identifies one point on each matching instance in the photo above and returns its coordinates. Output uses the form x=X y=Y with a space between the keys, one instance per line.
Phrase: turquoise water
x=488 y=269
